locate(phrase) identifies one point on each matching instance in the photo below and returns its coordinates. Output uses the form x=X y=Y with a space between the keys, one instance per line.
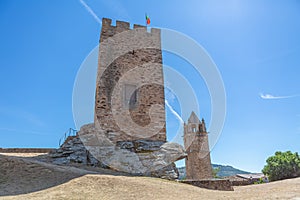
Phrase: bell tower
x=197 y=162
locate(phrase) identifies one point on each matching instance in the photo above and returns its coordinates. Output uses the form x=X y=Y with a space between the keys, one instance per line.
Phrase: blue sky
x=255 y=45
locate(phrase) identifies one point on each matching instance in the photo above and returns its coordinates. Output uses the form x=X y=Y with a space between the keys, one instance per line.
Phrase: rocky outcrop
x=139 y=157
x=140 y=146
x=73 y=151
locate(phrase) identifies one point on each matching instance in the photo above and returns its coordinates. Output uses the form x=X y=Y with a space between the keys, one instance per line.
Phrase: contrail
x=90 y=11
x=269 y=96
x=174 y=112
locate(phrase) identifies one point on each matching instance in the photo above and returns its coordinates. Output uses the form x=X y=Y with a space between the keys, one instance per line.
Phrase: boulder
x=73 y=151
x=138 y=157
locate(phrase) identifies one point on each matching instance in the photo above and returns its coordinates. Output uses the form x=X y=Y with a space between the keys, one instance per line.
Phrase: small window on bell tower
x=194 y=129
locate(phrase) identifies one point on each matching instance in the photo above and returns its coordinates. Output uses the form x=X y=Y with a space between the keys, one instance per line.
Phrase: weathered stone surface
x=141 y=157
x=198 y=163
x=215 y=184
x=140 y=145
x=73 y=151
x=148 y=158
x=169 y=172
x=130 y=57
x=171 y=152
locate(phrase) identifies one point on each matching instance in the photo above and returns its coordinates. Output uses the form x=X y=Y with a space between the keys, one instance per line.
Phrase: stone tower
x=197 y=162
x=129 y=129
x=129 y=83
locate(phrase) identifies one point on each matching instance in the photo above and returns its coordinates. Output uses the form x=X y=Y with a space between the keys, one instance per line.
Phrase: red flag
x=147 y=20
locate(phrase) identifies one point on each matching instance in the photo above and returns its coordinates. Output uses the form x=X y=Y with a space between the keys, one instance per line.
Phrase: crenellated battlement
x=136 y=26
x=109 y=30
x=106 y=21
x=121 y=24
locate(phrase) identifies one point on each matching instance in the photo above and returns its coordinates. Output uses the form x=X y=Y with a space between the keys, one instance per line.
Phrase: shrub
x=282 y=165
x=260 y=181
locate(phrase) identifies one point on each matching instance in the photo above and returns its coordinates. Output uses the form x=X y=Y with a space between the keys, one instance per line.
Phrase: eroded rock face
x=140 y=146
x=139 y=157
x=73 y=151
x=144 y=157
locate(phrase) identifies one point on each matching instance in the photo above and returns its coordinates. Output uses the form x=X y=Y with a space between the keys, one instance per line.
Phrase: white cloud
x=270 y=96
x=174 y=112
x=90 y=11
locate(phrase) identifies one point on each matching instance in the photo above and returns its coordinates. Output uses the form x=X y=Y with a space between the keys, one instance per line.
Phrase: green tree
x=215 y=172
x=283 y=165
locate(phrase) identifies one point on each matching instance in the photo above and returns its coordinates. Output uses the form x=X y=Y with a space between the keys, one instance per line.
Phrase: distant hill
x=225 y=170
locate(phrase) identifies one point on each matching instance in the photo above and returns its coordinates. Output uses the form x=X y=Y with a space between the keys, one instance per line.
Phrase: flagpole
x=147 y=19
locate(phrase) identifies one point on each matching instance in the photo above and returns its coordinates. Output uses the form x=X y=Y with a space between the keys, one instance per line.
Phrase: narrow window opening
x=130 y=100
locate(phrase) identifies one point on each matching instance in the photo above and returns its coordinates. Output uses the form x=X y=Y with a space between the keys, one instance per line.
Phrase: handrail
x=69 y=132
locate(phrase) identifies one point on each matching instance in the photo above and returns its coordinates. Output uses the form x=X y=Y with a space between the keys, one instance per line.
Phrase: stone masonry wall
x=25 y=150
x=130 y=57
x=198 y=162
x=217 y=184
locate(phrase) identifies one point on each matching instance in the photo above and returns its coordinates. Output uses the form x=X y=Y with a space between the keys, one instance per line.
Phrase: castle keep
x=197 y=162
x=130 y=82
x=129 y=129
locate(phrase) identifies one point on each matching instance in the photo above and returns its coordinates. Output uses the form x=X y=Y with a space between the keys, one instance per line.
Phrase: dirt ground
x=26 y=178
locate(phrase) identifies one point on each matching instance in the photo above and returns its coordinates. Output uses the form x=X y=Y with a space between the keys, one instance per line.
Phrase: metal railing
x=69 y=132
